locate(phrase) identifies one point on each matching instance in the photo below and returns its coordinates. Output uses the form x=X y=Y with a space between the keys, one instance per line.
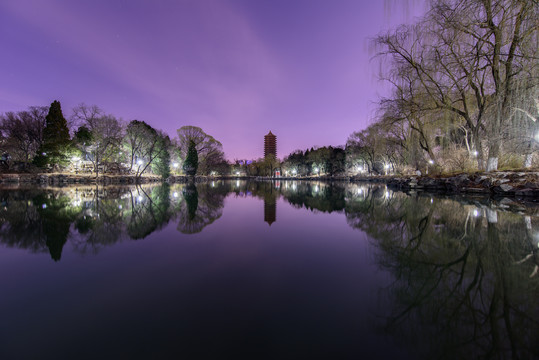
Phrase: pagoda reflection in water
x=270 y=209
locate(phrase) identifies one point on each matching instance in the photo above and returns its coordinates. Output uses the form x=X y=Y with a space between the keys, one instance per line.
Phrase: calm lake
x=265 y=270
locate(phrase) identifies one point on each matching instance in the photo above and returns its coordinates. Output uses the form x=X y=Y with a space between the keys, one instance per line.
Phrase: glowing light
x=431 y=200
x=316 y=169
x=475 y=153
x=476 y=213
x=175 y=165
x=238 y=173
x=316 y=188
x=175 y=194
x=44 y=206
x=140 y=198
x=537 y=136
x=75 y=158
x=386 y=166
x=431 y=162
x=120 y=207
x=294 y=172
x=139 y=162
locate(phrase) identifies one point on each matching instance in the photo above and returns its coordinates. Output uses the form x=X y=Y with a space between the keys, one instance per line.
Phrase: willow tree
x=466 y=57
x=161 y=163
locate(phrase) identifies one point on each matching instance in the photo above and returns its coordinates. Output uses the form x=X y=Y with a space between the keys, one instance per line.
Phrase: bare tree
x=105 y=134
x=145 y=145
x=207 y=147
x=136 y=139
x=23 y=132
x=466 y=57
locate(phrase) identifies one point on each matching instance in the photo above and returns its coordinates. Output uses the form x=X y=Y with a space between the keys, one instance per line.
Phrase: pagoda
x=270 y=145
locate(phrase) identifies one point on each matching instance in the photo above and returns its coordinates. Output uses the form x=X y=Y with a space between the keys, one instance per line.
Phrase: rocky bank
x=517 y=184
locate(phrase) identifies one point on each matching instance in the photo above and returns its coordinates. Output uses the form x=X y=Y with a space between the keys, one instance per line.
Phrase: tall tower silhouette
x=270 y=208
x=270 y=145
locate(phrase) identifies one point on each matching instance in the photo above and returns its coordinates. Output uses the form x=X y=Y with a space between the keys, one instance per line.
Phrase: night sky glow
x=237 y=69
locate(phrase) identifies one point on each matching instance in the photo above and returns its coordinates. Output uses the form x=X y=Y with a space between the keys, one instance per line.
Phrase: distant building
x=270 y=145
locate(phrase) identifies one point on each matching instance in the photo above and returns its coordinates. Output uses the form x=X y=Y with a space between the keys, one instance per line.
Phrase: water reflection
x=90 y=218
x=465 y=274
x=270 y=209
x=465 y=270
x=202 y=205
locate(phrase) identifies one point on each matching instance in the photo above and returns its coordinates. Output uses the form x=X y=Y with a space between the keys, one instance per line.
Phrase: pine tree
x=56 y=138
x=190 y=165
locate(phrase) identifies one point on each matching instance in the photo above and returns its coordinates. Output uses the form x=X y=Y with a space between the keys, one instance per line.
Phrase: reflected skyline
x=42 y=219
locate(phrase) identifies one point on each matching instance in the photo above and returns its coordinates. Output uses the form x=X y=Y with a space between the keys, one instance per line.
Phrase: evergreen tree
x=190 y=165
x=56 y=138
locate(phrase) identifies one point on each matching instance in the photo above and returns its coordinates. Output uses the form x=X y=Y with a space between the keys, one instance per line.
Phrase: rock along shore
x=516 y=184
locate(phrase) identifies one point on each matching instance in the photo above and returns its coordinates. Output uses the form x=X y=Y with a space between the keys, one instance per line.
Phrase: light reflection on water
x=342 y=270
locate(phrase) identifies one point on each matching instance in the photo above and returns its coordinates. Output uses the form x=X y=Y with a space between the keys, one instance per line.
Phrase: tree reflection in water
x=44 y=220
x=202 y=205
x=465 y=273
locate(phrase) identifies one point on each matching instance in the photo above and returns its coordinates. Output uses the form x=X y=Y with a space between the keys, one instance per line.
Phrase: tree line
x=41 y=138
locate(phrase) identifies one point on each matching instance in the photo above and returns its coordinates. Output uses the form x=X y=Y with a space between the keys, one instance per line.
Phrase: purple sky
x=235 y=68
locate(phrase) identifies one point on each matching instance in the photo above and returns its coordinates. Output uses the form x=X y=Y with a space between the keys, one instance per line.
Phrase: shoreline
x=495 y=184
x=500 y=183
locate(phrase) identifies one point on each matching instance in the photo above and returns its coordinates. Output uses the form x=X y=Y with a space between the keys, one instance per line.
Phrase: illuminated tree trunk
x=493 y=154
x=528 y=161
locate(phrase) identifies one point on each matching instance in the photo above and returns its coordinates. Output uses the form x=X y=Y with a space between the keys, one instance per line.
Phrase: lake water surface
x=265 y=270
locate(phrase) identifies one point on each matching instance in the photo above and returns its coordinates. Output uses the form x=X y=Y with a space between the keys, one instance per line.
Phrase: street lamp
x=175 y=165
x=386 y=167
x=431 y=162
x=139 y=162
